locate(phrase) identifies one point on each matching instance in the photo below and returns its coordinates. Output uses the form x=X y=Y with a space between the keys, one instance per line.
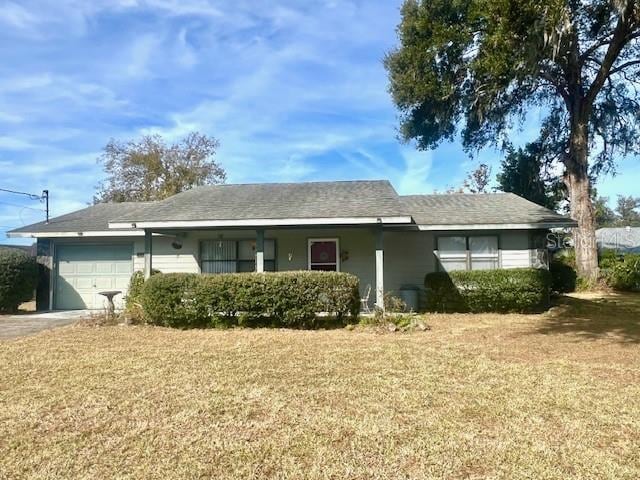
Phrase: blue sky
x=294 y=90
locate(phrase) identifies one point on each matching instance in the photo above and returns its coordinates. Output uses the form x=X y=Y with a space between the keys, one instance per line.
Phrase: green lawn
x=478 y=396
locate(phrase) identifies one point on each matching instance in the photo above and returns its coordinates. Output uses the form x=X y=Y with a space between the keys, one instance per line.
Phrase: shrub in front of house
x=18 y=278
x=133 y=308
x=168 y=300
x=622 y=273
x=501 y=290
x=278 y=299
x=135 y=290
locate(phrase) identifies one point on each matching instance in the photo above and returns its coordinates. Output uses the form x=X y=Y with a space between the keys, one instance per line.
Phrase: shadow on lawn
x=615 y=317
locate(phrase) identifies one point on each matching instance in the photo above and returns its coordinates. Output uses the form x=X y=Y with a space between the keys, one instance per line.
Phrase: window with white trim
x=324 y=254
x=452 y=252
x=477 y=252
x=230 y=256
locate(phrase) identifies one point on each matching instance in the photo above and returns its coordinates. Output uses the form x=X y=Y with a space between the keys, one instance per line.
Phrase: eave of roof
x=266 y=222
x=499 y=226
x=79 y=234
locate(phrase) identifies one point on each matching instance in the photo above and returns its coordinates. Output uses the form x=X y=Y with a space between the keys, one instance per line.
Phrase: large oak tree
x=479 y=66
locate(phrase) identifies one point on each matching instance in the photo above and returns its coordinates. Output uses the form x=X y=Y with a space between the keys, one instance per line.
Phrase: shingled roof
x=90 y=219
x=455 y=209
x=275 y=201
x=349 y=202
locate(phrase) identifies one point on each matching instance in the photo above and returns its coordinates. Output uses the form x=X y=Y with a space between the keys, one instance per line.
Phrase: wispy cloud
x=415 y=176
x=14 y=15
x=13 y=143
x=139 y=56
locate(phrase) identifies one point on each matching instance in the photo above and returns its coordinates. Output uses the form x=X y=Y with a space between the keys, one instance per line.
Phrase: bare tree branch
x=619 y=68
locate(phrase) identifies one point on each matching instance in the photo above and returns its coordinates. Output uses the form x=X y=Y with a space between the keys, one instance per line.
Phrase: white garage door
x=84 y=270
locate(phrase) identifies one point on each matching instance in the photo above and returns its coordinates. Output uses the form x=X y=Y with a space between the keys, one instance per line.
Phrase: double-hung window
x=229 y=256
x=477 y=252
x=452 y=252
x=483 y=252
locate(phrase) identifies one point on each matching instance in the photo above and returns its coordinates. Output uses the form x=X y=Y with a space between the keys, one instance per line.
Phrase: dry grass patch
x=478 y=396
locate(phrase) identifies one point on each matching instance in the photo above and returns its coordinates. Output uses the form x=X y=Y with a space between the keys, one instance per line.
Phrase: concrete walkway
x=12 y=326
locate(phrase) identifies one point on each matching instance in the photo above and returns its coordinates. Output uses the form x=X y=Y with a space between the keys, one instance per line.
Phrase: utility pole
x=45 y=195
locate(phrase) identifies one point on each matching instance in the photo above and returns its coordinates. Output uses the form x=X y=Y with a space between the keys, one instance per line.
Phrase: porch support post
x=148 y=253
x=260 y=250
x=379 y=268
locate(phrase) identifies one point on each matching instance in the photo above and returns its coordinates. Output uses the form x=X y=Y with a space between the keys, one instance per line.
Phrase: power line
x=33 y=196
x=43 y=198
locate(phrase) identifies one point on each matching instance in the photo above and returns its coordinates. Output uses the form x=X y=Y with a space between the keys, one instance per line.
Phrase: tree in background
x=628 y=211
x=483 y=64
x=605 y=217
x=149 y=169
x=478 y=180
x=524 y=171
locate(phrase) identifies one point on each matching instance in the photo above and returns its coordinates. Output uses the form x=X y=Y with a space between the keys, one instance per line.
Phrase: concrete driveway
x=12 y=326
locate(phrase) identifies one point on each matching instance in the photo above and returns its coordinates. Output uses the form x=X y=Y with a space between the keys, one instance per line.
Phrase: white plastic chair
x=364 y=301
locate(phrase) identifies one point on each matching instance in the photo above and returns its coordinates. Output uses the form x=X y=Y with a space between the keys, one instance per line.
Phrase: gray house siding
x=357 y=250
x=408 y=255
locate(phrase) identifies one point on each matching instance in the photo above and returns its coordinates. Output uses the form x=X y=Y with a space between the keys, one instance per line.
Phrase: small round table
x=109 y=294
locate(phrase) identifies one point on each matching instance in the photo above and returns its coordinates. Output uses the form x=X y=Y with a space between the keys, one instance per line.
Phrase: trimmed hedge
x=18 y=278
x=135 y=288
x=510 y=290
x=280 y=299
x=133 y=307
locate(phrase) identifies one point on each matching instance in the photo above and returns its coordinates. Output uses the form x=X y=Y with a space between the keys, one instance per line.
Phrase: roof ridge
x=129 y=202
x=456 y=194
x=309 y=182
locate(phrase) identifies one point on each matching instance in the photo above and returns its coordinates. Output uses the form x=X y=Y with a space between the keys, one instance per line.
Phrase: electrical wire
x=33 y=196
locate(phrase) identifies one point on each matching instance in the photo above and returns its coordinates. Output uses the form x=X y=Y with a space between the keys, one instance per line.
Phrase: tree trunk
x=579 y=186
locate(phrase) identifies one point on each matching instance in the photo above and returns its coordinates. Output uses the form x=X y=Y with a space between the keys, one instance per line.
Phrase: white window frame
x=467 y=256
x=461 y=256
x=335 y=240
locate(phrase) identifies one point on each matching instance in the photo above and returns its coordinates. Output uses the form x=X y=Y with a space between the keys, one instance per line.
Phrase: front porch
x=356 y=250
